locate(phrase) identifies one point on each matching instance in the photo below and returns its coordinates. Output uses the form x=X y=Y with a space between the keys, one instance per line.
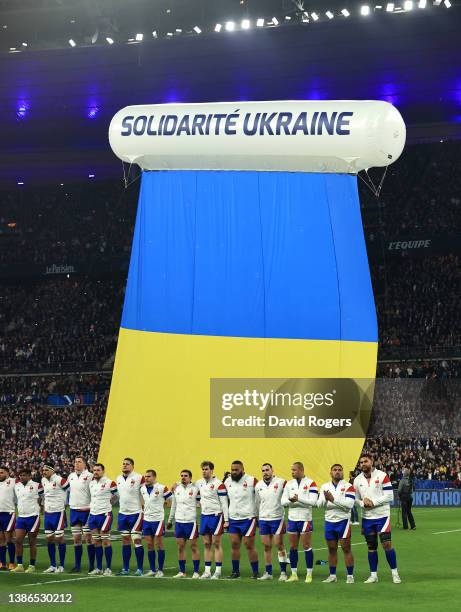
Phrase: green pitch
x=428 y=561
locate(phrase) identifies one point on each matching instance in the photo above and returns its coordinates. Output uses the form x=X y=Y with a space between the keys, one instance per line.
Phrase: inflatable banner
x=245 y=284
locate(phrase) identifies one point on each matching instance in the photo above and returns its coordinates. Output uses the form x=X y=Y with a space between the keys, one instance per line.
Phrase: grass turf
x=428 y=561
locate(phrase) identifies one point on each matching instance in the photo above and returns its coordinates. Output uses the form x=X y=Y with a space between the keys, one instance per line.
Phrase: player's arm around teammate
x=129 y=520
x=55 y=489
x=242 y=517
x=29 y=496
x=214 y=518
x=102 y=495
x=7 y=518
x=79 y=504
x=338 y=497
x=184 y=515
x=155 y=496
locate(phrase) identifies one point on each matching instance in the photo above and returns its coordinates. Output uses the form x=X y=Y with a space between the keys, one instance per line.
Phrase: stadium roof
x=56 y=104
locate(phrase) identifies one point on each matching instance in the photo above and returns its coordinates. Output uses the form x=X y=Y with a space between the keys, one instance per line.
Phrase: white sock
x=395 y=572
x=294 y=570
x=217 y=570
x=309 y=572
x=374 y=574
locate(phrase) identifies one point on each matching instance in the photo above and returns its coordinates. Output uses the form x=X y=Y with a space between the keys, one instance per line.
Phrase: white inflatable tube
x=297 y=136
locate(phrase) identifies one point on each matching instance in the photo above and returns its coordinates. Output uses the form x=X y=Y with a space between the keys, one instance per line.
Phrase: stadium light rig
x=345 y=12
x=260 y=22
x=329 y=14
x=110 y=40
x=230 y=26
x=390 y=7
x=139 y=37
x=408 y=5
x=218 y=27
x=422 y=4
x=245 y=25
x=365 y=10
x=72 y=42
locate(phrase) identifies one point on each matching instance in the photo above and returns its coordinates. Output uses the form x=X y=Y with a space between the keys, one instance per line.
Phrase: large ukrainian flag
x=237 y=275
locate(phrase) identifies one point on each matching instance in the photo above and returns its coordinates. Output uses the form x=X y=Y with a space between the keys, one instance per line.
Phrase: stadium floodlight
x=218 y=27
x=230 y=26
x=437 y=2
x=314 y=16
x=422 y=4
x=154 y=34
x=390 y=7
x=287 y=17
x=245 y=24
x=91 y=176
x=139 y=37
x=364 y=10
x=275 y=21
x=110 y=40
x=178 y=30
x=72 y=43
x=20 y=182
x=345 y=12
x=169 y=33
x=24 y=44
x=329 y=14
x=408 y=5
x=260 y=23
x=447 y=3
x=197 y=30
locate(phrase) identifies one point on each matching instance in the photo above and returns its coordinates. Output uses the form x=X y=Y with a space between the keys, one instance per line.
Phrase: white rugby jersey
x=307 y=493
x=79 y=498
x=28 y=496
x=213 y=497
x=55 y=493
x=378 y=489
x=129 y=491
x=184 y=504
x=7 y=495
x=344 y=496
x=241 y=494
x=268 y=497
x=154 y=501
x=101 y=492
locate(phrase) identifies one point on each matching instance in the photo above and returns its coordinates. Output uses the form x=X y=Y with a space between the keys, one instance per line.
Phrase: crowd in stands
x=32 y=434
x=67 y=224
x=440 y=369
x=416 y=407
x=57 y=325
x=420 y=197
x=37 y=389
x=432 y=458
x=419 y=304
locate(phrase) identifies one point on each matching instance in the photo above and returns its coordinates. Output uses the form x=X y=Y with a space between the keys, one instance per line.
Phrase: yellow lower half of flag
x=159 y=405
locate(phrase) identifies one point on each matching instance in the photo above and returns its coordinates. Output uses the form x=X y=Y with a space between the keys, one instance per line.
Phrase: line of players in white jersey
x=238 y=505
